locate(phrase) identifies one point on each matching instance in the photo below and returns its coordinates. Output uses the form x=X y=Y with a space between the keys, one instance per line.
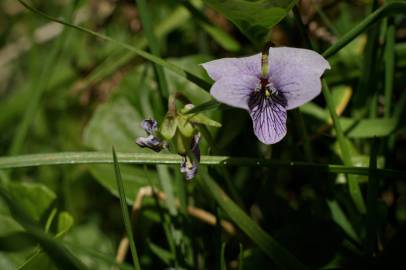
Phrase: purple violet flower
x=293 y=79
x=151 y=141
x=190 y=162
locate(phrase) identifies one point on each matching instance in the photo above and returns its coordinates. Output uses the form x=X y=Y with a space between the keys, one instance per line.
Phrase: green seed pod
x=168 y=127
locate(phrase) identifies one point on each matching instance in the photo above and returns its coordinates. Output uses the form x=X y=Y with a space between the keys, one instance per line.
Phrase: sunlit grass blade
x=174 y=68
x=372 y=203
x=126 y=216
x=58 y=253
x=70 y=158
x=384 y=11
x=278 y=254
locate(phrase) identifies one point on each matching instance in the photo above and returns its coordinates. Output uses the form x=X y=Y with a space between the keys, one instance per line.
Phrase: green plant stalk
x=71 y=158
x=353 y=185
x=124 y=209
x=174 y=68
x=372 y=203
x=382 y=12
x=389 y=59
x=164 y=175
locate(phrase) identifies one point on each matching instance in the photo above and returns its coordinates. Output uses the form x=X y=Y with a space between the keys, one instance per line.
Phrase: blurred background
x=63 y=90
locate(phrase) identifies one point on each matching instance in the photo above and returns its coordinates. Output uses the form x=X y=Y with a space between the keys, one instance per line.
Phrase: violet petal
x=234 y=90
x=224 y=67
x=296 y=73
x=151 y=142
x=189 y=169
x=268 y=117
x=150 y=126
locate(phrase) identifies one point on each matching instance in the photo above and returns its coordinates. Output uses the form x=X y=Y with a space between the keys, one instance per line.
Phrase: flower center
x=266 y=88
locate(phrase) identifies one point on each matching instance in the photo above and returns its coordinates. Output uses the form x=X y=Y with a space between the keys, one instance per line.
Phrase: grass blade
x=389 y=59
x=386 y=10
x=354 y=188
x=372 y=203
x=174 y=68
x=70 y=158
x=126 y=216
x=353 y=185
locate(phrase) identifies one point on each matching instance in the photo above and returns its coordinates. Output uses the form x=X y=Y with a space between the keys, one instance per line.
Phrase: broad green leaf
x=115 y=122
x=89 y=237
x=65 y=223
x=60 y=255
x=33 y=197
x=253 y=18
x=39 y=259
x=8 y=225
x=368 y=128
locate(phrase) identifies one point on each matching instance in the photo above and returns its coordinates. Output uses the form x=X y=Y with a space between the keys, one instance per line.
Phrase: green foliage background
x=79 y=76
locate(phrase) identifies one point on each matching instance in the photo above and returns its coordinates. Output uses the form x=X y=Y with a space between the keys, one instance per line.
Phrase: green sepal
x=168 y=127
x=185 y=127
x=204 y=120
x=199 y=118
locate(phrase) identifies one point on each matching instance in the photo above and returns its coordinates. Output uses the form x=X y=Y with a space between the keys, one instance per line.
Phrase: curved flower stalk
x=285 y=79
